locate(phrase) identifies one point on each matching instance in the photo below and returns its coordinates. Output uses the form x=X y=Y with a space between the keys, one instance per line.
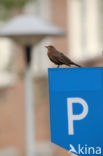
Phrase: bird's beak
x=46 y=46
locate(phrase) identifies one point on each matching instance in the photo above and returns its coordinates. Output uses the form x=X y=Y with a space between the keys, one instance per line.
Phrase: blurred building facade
x=85 y=28
x=82 y=22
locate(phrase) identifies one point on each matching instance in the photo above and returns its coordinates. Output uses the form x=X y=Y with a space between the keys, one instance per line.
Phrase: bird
x=59 y=58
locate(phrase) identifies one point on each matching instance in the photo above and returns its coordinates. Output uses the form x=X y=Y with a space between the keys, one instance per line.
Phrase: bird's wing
x=64 y=59
x=54 y=57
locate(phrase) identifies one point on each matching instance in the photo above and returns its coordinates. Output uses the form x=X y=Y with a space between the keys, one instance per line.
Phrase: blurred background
x=82 y=21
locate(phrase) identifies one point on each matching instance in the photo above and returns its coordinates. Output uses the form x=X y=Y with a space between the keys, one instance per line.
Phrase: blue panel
x=65 y=79
x=85 y=83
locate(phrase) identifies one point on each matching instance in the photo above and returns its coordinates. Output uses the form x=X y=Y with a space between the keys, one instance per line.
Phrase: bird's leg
x=58 y=66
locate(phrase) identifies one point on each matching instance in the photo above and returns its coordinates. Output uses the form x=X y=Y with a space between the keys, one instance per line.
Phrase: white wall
x=83 y=28
x=7 y=77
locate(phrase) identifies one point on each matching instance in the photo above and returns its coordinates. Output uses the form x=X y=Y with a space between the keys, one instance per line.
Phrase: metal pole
x=30 y=129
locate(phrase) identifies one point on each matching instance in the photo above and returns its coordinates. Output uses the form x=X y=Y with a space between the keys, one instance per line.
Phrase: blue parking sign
x=76 y=109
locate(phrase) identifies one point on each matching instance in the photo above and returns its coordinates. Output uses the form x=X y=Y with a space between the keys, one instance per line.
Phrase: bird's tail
x=76 y=64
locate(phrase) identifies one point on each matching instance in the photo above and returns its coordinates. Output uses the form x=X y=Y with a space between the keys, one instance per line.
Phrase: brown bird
x=59 y=58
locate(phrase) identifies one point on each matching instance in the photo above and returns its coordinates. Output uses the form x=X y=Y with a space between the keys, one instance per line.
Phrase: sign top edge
x=74 y=68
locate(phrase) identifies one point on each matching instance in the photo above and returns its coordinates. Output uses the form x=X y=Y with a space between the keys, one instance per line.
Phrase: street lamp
x=28 y=31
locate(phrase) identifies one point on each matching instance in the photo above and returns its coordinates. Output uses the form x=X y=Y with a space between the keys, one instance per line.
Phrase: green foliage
x=9 y=7
x=9 y=4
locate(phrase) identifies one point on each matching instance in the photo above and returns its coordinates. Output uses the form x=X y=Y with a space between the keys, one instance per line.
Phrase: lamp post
x=30 y=129
x=29 y=30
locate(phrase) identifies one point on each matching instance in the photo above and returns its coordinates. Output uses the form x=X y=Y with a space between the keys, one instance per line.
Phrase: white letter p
x=72 y=117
